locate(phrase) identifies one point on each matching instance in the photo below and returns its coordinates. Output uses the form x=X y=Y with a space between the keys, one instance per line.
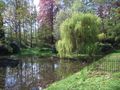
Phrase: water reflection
x=35 y=73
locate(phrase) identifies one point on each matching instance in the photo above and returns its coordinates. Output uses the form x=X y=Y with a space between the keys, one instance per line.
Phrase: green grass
x=40 y=52
x=100 y=75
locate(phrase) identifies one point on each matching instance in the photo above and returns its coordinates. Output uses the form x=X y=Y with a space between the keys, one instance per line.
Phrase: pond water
x=35 y=73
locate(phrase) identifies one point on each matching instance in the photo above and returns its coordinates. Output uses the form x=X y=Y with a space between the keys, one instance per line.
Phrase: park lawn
x=103 y=74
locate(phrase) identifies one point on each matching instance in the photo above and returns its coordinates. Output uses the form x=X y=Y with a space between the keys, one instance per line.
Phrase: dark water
x=35 y=73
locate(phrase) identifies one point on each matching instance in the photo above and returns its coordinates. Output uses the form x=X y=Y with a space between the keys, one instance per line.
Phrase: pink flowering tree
x=46 y=16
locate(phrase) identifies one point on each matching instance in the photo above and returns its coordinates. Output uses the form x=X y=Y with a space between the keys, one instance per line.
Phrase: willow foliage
x=78 y=34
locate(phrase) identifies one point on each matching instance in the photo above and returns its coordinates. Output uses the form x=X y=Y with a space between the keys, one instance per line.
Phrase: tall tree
x=2 y=35
x=46 y=16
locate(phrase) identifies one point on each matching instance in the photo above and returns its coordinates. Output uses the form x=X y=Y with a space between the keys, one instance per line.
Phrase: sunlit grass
x=40 y=52
x=101 y=75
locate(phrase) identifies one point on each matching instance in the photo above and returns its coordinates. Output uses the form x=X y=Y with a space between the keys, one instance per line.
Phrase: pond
x=35 y=73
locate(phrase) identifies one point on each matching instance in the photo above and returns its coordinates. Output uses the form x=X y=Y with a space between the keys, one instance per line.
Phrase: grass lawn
x=100 y=75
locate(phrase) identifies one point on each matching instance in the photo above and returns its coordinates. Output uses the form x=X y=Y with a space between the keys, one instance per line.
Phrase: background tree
x=19 y=17
x=46 y=16
x=2 y=33
x=61 y=16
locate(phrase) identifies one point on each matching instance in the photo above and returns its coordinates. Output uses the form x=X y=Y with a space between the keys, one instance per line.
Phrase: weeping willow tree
x=78 y=34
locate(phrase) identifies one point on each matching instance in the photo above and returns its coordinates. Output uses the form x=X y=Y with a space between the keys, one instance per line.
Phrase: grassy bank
x=101 y=75
x=47 y=52
x=40 y=52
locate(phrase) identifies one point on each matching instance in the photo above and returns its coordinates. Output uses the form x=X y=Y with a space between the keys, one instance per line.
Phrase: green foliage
x=1 y=18
x=2 y=4
x=99 y=1
x=1 y=22
x=78 y=34
x=44 y=35
x=41 y=52
x=22 y=13
x=77 y=5
x=116 y=32
x=101 y=36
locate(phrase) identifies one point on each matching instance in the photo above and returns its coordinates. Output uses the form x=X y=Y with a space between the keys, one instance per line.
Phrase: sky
x=36 y=2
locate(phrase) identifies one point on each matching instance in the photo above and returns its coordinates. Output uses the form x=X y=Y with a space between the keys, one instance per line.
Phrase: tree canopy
x=78 y=33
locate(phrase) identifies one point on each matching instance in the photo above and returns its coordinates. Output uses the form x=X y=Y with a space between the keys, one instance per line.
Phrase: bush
x=114 y=35
x=106 y=48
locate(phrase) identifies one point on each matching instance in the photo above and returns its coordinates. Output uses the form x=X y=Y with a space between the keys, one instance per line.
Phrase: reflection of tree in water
x=36 y=73
x=42 y=72
x=68 y=67
x=31 y=73
x=48 y=73
x=2 y=78
x=19 y=78
x=28 y=74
